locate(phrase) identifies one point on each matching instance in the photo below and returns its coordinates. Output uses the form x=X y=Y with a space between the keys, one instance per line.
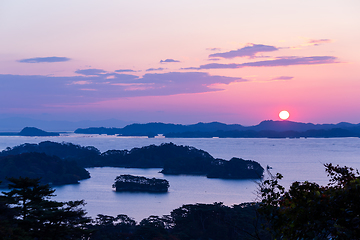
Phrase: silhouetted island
x=266 y=129
x=130 y=183
x=49 y=169
x=173 y=159
x=30 y=132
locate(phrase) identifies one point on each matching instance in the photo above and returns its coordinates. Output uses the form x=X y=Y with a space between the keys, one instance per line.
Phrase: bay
x=297 y=159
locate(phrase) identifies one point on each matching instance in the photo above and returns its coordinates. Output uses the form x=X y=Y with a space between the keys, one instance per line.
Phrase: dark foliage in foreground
x=310 y=211
x=191 y=221
x=26 y=212
x=172 y=158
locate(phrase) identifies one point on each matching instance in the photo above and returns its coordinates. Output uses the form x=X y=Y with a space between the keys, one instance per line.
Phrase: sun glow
x=284 y=115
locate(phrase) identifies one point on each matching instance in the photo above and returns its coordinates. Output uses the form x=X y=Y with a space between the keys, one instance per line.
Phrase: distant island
x=130 y=183
x=30 y=132
x=173 y=159
x=266 y=129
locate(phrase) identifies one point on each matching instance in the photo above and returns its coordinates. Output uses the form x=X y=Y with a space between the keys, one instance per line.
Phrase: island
x=49 y=169
x=130 y=183
x=173 y=159
x=31 y=132
x=265 y=129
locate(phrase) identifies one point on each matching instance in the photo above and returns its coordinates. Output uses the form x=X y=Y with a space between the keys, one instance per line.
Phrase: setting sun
x=284 y=115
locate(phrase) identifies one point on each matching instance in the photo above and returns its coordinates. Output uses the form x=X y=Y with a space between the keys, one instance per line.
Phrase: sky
x=182 y=62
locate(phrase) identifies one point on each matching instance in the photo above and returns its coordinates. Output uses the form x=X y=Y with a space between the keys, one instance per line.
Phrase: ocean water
x=296 y=159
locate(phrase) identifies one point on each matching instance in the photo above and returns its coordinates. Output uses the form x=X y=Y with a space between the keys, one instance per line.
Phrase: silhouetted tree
x=310 y=211
x=35 y=216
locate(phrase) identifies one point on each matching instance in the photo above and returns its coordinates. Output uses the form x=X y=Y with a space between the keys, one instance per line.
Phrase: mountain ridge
x=267 y=128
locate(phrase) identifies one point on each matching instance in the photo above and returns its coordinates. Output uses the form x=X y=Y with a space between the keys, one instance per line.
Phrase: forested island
x=173 y=159
x=48 y=168
x=266 y=129
x=130 y=183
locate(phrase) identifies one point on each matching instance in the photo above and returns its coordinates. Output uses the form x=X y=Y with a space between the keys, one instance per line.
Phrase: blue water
x=297 y=159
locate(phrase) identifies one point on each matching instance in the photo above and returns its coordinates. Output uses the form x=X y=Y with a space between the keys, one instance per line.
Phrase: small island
x=130 y=183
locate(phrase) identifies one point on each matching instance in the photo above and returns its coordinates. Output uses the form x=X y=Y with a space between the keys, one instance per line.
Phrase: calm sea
x=297 y=159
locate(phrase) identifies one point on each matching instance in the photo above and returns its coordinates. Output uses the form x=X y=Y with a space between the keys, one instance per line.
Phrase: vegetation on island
x=130 y=183
x=173 y=159
x=49 y=169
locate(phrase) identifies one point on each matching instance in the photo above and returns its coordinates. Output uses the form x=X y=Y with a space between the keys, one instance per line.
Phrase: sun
x=284 y=115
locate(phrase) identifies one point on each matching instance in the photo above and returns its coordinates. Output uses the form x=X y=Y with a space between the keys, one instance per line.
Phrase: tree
x=38 y=217
x=310 y=211
x=113 y=228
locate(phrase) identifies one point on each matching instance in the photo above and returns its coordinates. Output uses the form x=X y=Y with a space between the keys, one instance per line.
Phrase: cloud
x=169 y=60
x=155 y=69
x=317 y=42
x=44 y=59
x=37 y=92
x=248 y=51
x=90 y=71
x=282 y=78
x=124 y=70
x=213 y=49
x=81 y=82
x=280 y=61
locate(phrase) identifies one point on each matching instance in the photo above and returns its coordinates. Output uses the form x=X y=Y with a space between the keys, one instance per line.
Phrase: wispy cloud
x=282 y=78
x=155 y=69
x=29 y=91
x=80 y=82
x=317 y=42
x=213 y=49
x=44 y=60
x=169 y=60
x=248 y=51
x=280 y=61
x=90 y=71
x=124 y=70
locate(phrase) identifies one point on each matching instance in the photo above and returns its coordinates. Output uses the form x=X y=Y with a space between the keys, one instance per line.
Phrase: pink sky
x=181 y=62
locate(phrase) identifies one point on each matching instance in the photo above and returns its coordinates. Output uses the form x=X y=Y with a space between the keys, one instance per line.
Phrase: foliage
x=310 y=211
x=217 y=222
x=112 y=228
x=30 y=214
x=236 y=168
x=191 y=221
x=135 y=183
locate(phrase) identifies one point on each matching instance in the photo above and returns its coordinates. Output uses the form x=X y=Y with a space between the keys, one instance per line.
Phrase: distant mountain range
x=15 y=124
x=268 y=128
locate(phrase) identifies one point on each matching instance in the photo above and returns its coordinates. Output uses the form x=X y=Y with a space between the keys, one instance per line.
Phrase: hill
x=269 y=128
x=30 y=132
